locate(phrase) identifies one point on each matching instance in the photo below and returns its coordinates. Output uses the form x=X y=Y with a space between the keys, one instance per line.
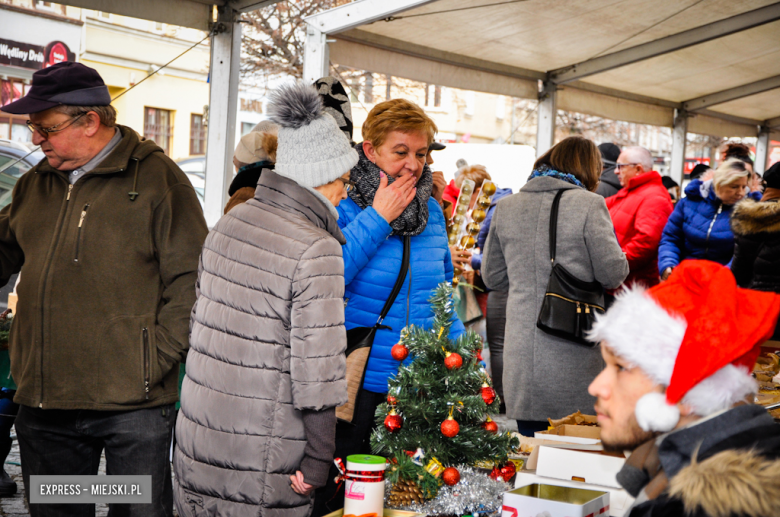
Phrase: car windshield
x=9 y=176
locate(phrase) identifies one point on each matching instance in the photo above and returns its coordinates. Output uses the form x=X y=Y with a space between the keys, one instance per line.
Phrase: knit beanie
x=772 y=176
x=312 y=150
x=336 y=102
x=696 y=334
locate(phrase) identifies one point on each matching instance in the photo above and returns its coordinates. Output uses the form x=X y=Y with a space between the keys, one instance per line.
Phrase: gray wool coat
x=546 y=376
x=267 y=347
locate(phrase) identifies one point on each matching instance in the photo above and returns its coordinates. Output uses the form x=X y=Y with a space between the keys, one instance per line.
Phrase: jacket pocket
x=80 y=235
x=125 y=361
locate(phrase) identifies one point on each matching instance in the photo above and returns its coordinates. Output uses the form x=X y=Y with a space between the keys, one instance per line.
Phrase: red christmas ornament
x=488 y=393
x=490 y=426
x=399 y=352
x=495 y=473
x=450 y=427
x=479 y=355
x=393 y=421
x=391 y=400
x=453 y=361
x=508 y=471
x=451 y=476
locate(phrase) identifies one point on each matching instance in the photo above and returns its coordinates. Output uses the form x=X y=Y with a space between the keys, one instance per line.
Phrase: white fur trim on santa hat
x=721 y=390
x=654 y=414
x=641 y=332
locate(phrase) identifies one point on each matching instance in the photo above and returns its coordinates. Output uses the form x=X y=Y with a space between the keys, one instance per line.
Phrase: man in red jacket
x=639 y=212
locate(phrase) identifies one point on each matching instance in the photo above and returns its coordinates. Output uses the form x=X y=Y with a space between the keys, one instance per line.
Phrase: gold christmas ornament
x=403 y=493
x=478 y=215
x=488 y=189
x=453 y=239
x=458 y=271
x=483 y=202
x=472 y=228
x=462 y=209
x=455 y=282
x=457 y=220
x=467 y=242
x=466 y=188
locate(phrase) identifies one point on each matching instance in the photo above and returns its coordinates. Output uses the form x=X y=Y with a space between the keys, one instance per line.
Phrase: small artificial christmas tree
x=437 y=413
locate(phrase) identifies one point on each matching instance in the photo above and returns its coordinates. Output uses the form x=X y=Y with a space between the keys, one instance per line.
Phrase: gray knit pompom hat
x=312 y=149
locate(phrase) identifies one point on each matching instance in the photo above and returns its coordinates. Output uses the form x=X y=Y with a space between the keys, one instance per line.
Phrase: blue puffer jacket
x=476 y=258
x=372 y=260
x=698 y=228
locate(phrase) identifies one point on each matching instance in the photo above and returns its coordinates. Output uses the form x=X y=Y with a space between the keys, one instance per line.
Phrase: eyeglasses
x=619 y=165
x=349 y=185
x=46 y=131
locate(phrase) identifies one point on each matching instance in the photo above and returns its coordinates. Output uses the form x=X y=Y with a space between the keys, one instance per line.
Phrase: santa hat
x=697 y=334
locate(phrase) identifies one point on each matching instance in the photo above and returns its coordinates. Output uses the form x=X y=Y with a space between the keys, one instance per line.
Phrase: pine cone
x=404 y=493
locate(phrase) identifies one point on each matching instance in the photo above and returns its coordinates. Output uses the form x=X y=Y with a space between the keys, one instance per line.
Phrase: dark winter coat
x=756 y=229
x=546 y=376
x=698 y=228
x=727 y=466
x=609 y=184
x=107 y=280
x=639 y=212
x=476 y=258
x=267 y=348
x=372 y=261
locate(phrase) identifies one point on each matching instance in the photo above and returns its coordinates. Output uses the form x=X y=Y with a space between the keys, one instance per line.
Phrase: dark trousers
x=495 y=324
x=61 y=442
x=351 y=438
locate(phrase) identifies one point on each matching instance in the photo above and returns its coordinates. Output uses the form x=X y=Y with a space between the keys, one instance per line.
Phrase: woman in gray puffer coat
x=265 y=371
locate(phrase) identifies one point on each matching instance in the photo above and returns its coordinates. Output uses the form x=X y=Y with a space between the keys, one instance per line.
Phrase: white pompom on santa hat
x=697 y=334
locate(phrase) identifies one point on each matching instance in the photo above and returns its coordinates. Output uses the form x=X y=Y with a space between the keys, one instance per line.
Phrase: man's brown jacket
x=108 y=269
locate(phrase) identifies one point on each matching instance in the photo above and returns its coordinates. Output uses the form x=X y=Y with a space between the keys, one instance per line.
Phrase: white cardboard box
x=584 y=463
x=554 y=501
x=583 y=434
x=619 y=500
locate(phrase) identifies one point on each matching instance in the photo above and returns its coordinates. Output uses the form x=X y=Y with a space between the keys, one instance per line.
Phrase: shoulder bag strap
x=399 y=282
x=554 y=224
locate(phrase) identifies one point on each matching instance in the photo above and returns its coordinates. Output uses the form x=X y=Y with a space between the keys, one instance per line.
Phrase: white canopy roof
x=633 y=60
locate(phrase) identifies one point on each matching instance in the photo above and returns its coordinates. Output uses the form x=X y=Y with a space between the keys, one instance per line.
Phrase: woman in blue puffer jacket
x=699 y=226
x=390 y=199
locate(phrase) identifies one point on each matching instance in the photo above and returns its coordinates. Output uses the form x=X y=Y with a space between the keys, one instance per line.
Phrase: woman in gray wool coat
x=265 y=371
x=546 y=376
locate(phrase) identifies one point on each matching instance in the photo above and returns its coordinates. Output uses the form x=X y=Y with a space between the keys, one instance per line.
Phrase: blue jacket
x=476 y=258
x=372 y=260
x=698 y=228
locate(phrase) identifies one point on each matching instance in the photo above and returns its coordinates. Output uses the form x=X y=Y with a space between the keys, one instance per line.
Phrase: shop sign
x=35 y=57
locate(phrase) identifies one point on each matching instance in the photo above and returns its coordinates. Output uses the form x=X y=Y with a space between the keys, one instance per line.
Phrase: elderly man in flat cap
x=106 y=231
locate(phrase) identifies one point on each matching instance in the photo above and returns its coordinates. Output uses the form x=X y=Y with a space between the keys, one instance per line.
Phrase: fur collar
x=733 y=482
x=751 y=217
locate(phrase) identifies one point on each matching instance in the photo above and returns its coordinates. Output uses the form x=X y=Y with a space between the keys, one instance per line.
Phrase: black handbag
x=360 y=340
x=570 y=305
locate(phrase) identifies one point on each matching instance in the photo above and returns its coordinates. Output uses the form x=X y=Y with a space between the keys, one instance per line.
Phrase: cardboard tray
x=583 y=434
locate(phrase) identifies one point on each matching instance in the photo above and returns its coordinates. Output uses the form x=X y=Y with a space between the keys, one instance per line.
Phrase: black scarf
x=366 y=177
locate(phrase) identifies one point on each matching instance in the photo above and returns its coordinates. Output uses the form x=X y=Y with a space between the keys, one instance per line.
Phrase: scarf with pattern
x=366 y=177
x=544 y=170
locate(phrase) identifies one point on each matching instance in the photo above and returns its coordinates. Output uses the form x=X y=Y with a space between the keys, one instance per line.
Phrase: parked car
x=195 y=169
x=15 y=159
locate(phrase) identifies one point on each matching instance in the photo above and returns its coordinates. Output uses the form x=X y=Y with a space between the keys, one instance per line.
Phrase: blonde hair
x=476 y=173
x=396 y=115
x=729 y=172
x=575 y=155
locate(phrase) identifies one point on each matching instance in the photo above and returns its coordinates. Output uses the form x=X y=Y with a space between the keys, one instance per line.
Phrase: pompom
x=653 y=413
x=294 y=105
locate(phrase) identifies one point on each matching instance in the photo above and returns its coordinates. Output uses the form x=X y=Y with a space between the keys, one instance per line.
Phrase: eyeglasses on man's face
x=619 y=165
x=46 y=131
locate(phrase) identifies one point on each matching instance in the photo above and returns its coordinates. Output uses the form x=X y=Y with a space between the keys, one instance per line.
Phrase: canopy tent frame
x=225 y=48
x=555 y=89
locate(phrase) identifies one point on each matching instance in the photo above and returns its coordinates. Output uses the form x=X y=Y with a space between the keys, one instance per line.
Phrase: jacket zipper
x=43 y=304
x=147 y=360
x=408 y=292
x=579 y=304
x=78 y=237
x=709 y=230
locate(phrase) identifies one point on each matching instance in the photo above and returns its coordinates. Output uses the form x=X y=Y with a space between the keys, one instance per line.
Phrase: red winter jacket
x=639 y=212
x=451 y=194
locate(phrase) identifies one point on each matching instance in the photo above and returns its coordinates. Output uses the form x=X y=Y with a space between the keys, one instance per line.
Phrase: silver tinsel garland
x=475 y=493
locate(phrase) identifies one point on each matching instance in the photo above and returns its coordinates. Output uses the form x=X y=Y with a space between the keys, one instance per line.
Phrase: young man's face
x=618 y=388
